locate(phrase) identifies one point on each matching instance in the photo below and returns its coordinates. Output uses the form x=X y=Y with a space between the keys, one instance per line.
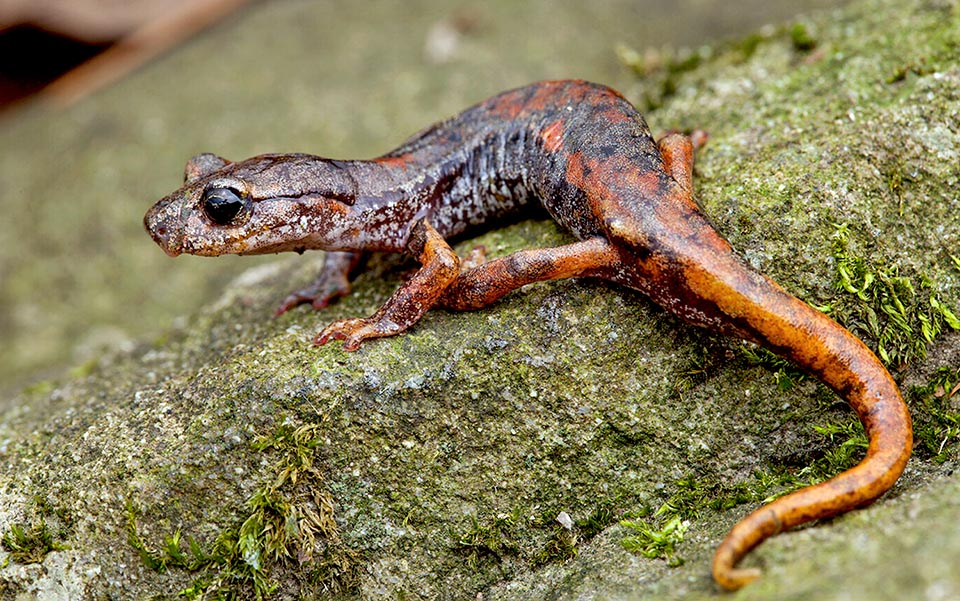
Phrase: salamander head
x=269 y=203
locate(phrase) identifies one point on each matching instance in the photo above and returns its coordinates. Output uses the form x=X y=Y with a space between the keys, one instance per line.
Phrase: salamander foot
x=356 y=330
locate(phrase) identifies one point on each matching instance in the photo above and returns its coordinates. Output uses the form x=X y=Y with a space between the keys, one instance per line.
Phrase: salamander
x=585 y=154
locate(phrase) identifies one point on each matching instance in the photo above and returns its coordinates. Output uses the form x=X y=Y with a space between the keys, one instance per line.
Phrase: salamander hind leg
x=677 y=152
x=487 y=282
x=440 y=267
x=636 y=210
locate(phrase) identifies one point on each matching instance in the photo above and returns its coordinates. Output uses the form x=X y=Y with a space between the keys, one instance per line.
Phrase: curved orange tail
x=760 y=310
x=703 y=281
x=876 y=400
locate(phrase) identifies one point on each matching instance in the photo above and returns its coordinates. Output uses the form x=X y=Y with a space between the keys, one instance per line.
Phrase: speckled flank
x=587 y=156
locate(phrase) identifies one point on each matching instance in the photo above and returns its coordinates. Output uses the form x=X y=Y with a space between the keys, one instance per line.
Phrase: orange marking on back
x=614 y=114
x=545 y=96
x=575 y=170
x=611 y=179
x=394 y=161
x=552 y=136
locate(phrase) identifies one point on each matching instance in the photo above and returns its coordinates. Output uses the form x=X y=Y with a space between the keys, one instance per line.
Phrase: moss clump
x=225 y=571
x=43 y=531
x=898 y=314
x=30 y=543
x=848 y=442
x=659 y=536
x=603 y=515
x=936 y=424
x=659 y=541
x=562 y=545
x=802 y=38
x=785 y=374
x=286 y=520
x=502 y=536
x=490 y=539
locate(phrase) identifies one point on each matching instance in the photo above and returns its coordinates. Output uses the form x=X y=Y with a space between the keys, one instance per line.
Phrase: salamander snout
x=162 y=222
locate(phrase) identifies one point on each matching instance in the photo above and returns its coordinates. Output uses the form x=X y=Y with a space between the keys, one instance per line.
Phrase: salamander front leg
x=411 y=300
x=332 y=283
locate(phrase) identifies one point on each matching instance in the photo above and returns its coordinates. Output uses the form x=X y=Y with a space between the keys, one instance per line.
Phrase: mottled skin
x=586 y=155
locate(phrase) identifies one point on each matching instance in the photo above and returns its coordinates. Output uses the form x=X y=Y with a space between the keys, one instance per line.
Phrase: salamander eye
x=225 y=206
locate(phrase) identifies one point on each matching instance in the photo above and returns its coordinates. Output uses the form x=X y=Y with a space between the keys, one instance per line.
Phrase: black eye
x=224 y=206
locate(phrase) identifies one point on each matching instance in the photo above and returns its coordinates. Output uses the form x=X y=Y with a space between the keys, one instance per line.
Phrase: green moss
x=659 y=536
x=224 y=570
x=561 y=546
x=39 y=388
x=490 y=539
x=899 y=314
x=802 y=38
x=85 y=369
x=748 y=45
x=657 y=541
x=693 y=496
x=603 y=514
x=30 y=543
x=44 y=530
x=785 y=374
x=848 y=443
x=936 y=419
x=845 y=443
x=283 y=522
x=170 y=554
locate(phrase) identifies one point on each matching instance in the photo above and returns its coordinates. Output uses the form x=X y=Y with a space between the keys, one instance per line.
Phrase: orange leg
x=677 y=151
x=411 y=300
x=488 y=282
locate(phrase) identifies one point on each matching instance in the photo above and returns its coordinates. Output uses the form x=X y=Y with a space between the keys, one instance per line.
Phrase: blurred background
x=103 y=101
x=46 y=41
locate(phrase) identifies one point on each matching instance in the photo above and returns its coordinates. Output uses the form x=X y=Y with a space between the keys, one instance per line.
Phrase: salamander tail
x=846 y=365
